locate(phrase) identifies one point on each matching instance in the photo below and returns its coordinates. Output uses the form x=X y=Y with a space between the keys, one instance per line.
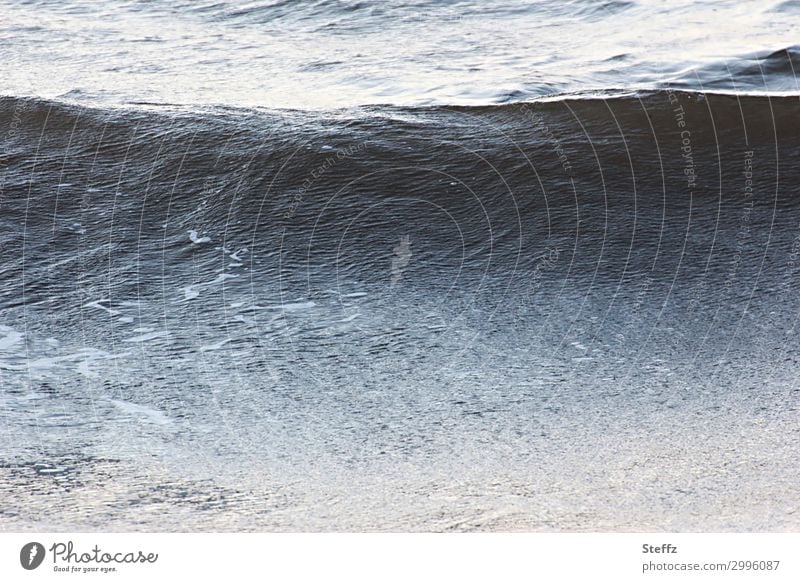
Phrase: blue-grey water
x=383 y=266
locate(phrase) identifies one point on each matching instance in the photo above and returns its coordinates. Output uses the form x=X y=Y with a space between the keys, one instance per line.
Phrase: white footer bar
x=379 y=557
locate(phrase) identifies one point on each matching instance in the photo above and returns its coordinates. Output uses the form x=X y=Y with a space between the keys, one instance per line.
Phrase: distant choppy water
x=368 y=266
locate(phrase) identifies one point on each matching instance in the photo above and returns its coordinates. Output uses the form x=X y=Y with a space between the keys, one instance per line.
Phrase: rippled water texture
x=322 y=54
x=362 y=266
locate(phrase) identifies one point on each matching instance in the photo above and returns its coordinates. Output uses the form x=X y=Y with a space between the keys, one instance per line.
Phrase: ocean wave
x=608 y=178
x=769 y=72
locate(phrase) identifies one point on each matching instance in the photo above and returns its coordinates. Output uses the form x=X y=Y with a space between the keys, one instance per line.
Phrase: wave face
x=322 y=54
x=246 y=313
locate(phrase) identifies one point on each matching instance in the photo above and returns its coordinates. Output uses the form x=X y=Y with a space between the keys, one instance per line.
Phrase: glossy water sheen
x=325 y=54
x=480 y=304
